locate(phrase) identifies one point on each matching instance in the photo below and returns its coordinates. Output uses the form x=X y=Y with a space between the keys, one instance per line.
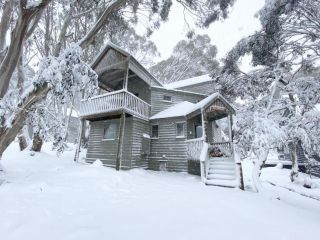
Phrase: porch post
x=126 y=73
x=204 y=126
x=230 y=127
x=120 y=140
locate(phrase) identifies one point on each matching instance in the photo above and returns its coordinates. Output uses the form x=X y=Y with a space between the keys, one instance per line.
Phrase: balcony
x=114 y=102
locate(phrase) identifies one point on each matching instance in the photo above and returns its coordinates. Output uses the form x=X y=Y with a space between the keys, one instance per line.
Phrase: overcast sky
x=240 y=23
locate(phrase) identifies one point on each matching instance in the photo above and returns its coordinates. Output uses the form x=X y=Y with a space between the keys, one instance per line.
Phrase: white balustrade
x=115 y=101
x=194 y=147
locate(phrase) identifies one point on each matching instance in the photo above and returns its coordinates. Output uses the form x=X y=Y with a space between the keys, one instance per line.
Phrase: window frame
x=105 y=130
x=183 y=130
x=153 y=125
x=164 y=100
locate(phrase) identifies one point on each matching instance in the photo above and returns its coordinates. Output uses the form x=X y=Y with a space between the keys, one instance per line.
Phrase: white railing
x=194 y=147
x=115 y=101
x=224 y=147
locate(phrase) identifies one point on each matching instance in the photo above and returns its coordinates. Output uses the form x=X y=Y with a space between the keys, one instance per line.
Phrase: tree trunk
x=18 y=35
x=8 y=134
x=293 y=155
x=37 y=142
x=258 y=164
x=113 y=6
x=22 y=142
x=4 y=26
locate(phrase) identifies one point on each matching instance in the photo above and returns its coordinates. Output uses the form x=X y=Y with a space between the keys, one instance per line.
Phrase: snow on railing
x=194 y=147
x=204 y=162
x=224 y=147
x=115 y=101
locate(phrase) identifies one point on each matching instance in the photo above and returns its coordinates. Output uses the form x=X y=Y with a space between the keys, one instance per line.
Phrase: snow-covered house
x=137 y=122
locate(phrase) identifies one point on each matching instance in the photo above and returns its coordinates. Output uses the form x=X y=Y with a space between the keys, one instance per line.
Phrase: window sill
x=166 y=101
x=154 y=138
x=180 y=137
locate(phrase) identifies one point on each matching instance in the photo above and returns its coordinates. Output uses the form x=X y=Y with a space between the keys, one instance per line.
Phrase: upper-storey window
x=167 y=98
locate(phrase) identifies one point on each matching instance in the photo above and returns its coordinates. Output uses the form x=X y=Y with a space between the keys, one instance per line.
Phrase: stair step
x=221 y=160
x=222 y=183
x=221 y=176
x=222 y=171
x=221 y=166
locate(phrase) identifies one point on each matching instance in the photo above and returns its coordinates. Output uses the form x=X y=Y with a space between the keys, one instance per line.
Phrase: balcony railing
x=115 y=101
x=194 y=147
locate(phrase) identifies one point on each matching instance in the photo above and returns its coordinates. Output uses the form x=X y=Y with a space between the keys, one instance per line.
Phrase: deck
x=114 y=102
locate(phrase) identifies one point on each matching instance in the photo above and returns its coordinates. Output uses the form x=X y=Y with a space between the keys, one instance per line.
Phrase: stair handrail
x=204 y=161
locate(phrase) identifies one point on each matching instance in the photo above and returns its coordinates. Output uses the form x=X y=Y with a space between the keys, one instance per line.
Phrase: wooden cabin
x=137 y=122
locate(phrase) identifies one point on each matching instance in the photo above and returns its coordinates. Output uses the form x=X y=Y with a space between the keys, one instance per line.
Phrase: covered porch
x=212 y=124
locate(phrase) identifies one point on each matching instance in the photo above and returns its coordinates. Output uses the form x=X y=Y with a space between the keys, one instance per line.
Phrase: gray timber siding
x=138 y=86
x=168 y=147
x=106 y=150
x=203 y=88
x=159 y=105
x=139 y=128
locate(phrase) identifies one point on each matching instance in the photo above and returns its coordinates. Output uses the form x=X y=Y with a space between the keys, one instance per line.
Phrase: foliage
x=190 y=58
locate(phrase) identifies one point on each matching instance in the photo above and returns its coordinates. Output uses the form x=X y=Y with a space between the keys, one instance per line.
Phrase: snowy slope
x=46 y=198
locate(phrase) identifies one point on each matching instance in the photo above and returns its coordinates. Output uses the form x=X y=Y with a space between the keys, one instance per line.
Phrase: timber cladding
x=158 y=104
x=106 y=149
x=168 y=147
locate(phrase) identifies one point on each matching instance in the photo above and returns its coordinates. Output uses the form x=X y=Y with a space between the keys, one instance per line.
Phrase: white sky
x=240 y=23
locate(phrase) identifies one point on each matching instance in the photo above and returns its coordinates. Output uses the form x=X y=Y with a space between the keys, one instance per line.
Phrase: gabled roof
x=134 y=65
x=188 y=109
x=189 y=82
x=210 y=99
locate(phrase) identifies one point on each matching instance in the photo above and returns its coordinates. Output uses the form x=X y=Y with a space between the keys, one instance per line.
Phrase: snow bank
x=45 y=197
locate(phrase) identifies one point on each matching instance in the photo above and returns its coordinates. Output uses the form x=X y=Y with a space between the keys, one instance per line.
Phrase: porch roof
x=189 y=109
x=177 y=110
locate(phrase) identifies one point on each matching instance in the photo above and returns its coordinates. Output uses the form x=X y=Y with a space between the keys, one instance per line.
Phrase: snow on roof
x=185 y=108
x=177 y=110
x=189 y=81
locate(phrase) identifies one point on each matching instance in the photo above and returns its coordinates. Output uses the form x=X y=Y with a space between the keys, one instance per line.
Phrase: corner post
x=120 y=140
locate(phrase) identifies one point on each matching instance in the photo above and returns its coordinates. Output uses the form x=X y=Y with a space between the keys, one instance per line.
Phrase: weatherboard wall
x=168 y=148
x=158 y=104
x=105 y=149
x=203 y=88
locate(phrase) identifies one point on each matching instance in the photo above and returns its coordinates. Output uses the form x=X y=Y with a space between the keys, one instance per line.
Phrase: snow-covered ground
x=44 y=197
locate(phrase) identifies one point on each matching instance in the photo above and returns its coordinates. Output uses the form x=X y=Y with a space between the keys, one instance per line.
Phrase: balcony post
x=120 y=140
x=126 y=74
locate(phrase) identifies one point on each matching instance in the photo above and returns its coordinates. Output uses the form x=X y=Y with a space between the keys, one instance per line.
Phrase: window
x=110 y=131
x=198 y=131
x=167 y=98
x=180 y=130
x=155 y=131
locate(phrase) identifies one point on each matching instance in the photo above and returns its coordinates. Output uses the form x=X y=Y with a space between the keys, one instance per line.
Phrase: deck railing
x=194 y=147
x=115 y=101
x=224 y=147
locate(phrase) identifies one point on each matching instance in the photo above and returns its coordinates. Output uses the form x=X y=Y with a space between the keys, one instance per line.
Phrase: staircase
x=221 y=171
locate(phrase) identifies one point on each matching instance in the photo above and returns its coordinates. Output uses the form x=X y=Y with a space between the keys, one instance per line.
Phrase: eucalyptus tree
x=190 y=58
x=285 y=52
